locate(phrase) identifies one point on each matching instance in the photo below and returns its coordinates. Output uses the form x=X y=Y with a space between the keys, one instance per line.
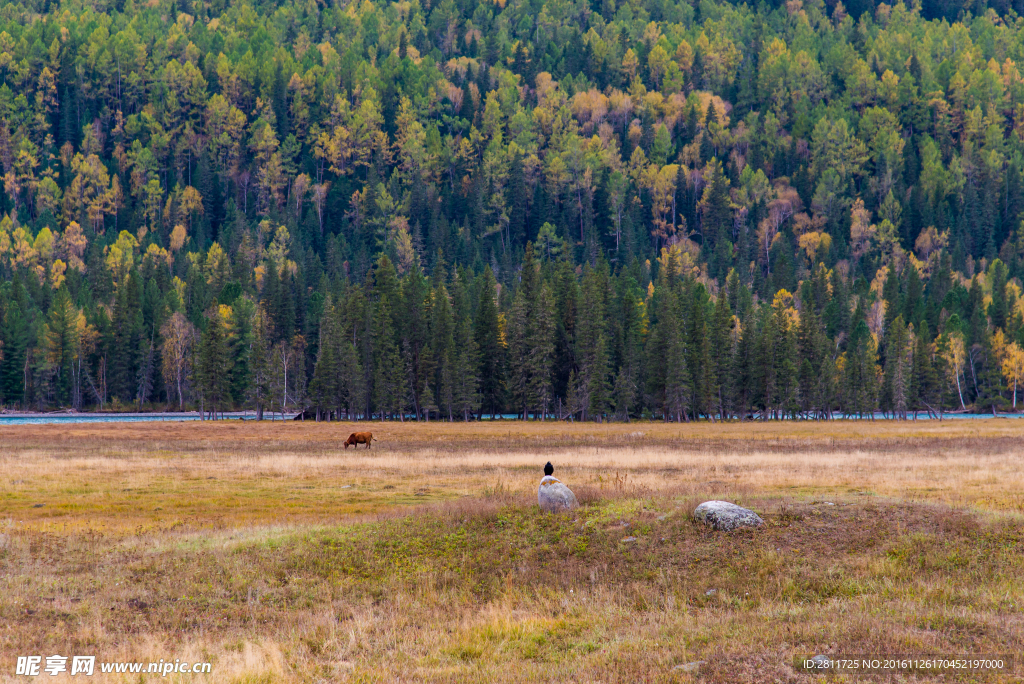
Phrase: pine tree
x=991 y=386
x=413 y=324
x=259 y=387
x=592 y=372
x=489 y=346
x=465 y=359
x=678 y=383
x=15 y=335
x=390 y=390
x=897 y=369
x=722 y=349
x=240 y=340
x=629 y=351
x=816 y=365
x=716 y=212
x=699 y=356
x=441 y=346
x=60 y=332
x=125 y=342
x=860 y=373
x=213 y=366
x=530 y=341
x=517 y=331
x=350 y=378
x=325 y=387
x=924 y=386
x=541 y=343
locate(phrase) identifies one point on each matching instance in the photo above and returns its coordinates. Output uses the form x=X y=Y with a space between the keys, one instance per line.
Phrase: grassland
x=280 y=557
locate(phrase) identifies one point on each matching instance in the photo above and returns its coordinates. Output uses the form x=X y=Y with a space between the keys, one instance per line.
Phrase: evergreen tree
x=390 y=391
x=240 y=342
x=898 y=370
x=722 y=349
x=925 y=390
x=60 y=333
x=259 y=387
x=592 y=387
x=541 y=343
x=629 y=352
x=15 y=334
x=213 y=366
x=699 y=356
x=413 y=324
x=488 y=343
x=125 y=342
x=860 y=373
x=325 y=387
x=465 y=359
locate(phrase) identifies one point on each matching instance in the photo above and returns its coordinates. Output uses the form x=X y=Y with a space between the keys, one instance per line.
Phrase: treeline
x=444 y=209
x=562 y=342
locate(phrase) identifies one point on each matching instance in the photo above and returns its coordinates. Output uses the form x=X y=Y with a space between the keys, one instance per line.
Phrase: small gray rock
x=820 y=662
x=725 y=516
x=628 y=539
x=555 y=497
x=689 y=667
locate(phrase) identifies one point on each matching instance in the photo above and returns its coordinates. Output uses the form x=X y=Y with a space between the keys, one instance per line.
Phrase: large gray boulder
x=725 y=516
x=555 y=497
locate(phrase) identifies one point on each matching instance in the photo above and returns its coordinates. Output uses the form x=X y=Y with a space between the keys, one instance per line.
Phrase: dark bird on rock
x=548 y=469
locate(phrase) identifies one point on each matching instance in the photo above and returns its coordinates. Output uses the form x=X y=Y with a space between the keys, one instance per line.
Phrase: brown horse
x=359 y=438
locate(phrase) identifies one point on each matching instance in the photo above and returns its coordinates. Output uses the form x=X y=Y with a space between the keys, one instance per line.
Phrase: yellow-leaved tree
x=1013 y=367
x=954 y=353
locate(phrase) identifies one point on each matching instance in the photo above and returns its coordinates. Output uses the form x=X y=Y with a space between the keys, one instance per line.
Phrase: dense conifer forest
x=441 y=209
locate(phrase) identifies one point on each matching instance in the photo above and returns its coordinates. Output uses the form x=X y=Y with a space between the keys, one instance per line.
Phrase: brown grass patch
x=279 y=556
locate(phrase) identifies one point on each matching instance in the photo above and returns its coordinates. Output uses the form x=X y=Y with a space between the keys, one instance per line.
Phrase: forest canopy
x=599 y=210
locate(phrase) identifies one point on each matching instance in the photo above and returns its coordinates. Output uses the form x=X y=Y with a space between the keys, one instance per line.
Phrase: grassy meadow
x=279 y=556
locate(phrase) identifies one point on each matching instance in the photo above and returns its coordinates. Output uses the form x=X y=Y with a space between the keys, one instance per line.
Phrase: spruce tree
x=324 y=388
x=465 y=358
x=925 y=390
x=897 y=369
x=517 y=331
x=213 y=365
x=390 y=375
x=722 y=348
x=413 y=326
x=699 y=355
x=259 y=387
x=488 y=342
x=628 y=353
x=438 y=355
x=860 y=383
x=678 y=382
x=592 y=372
x=16 y=337
x=541 y=344
x=60 y=332
x=240 y=340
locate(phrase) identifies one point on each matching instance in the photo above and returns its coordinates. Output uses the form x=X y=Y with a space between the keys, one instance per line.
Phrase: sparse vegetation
x=271 y=552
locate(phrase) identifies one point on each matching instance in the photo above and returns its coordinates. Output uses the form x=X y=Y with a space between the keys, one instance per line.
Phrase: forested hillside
x=451 y=209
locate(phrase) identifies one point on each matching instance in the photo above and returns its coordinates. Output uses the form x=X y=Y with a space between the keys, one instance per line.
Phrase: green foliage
x=269 y=161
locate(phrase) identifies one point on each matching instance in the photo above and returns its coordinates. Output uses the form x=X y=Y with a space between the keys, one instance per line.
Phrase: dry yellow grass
x=279 y=556
x=169 y=475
